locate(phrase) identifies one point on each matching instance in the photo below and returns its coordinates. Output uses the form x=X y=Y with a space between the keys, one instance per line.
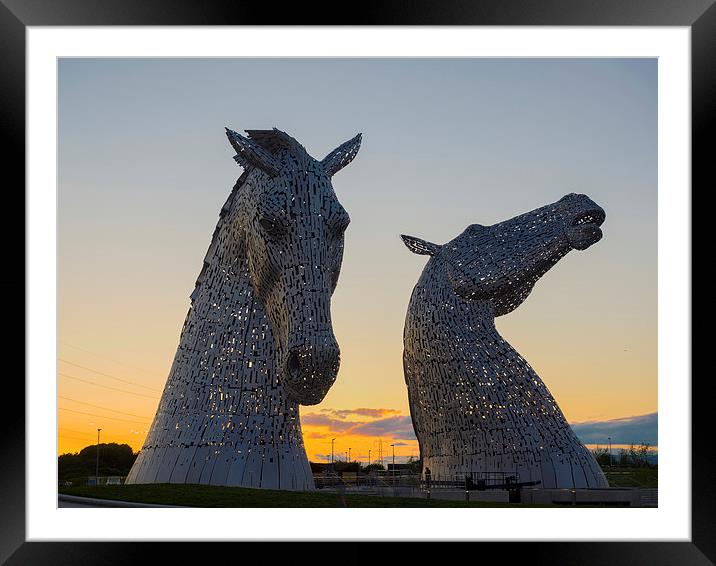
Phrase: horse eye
x=271 y=227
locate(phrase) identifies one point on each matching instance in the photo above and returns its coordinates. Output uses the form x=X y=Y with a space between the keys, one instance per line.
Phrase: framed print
x=489 y=140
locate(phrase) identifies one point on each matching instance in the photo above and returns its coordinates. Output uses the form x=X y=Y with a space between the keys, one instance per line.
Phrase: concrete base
x=628 y=496
x=494 y=496
x=400 y=491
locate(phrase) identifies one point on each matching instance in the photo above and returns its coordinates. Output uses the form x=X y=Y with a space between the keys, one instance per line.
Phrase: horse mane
x=275 y=141
x=240 y=182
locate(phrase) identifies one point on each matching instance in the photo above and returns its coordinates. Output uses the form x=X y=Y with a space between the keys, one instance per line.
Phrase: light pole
x=369 y=457
x=332 y=441
x=393 y=446
x=349 y=454
x=610 y=450
x=96 y=474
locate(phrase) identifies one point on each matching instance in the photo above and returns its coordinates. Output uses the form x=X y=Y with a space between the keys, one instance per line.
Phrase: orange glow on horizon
x=98 y=391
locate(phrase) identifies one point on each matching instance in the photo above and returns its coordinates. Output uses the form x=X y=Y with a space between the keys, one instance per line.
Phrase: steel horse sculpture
x=476 y=404
x=258 y=340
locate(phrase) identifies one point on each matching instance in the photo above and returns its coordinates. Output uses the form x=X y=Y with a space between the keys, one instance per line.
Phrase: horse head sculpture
x=476 y=404
x=258 y=340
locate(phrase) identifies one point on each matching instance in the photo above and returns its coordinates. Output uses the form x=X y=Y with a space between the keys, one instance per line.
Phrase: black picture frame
x=699 y=15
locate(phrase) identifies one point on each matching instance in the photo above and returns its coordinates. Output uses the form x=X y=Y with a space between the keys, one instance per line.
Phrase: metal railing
x=373 y=480
x=471 y=481
x=105 y=480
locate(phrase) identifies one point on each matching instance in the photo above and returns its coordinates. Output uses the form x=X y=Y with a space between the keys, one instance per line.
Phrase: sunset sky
x=144 y=167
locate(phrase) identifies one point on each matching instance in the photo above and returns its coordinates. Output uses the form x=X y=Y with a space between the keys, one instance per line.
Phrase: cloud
x=628 y=430
x=334 y=425
x=316 y=435
x=398 y=427
x=393 y=427
x=361 y=411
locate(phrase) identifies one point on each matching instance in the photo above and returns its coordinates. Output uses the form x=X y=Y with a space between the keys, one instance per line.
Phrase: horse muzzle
x=584 y=229
x=309 y=370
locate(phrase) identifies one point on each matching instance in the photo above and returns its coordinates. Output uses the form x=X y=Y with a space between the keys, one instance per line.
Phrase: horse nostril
x=315 y=362
x=293 y=363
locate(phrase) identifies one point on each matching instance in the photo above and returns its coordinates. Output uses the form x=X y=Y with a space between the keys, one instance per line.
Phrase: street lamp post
x=96 y=473
x=332 y=441
x=610 y=450
x=393 y=446
x=368 y=456
x=349 y=454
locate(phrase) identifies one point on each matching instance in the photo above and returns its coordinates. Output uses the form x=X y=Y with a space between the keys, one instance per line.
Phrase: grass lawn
x=214 y=496
x=632 y=477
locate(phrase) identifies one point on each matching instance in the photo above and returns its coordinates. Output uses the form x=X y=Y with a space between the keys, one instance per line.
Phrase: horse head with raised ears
x=501 y=263
x=288 y=225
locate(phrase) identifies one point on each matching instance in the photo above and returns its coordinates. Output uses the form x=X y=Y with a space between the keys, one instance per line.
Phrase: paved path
x=75 y=501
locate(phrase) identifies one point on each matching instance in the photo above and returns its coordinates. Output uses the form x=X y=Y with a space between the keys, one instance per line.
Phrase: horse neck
x=461 y=334
x=227 y=327
x=465 y=321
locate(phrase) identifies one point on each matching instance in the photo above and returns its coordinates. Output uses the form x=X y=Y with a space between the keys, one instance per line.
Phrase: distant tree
x=636 y=456
x=602 y=456
x=114 y=460
x=370 y=468
x=415 y=465
x=623 y=457
x=640 y=455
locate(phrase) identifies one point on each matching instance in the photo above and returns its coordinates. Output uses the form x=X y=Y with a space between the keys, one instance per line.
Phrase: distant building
x=337 y=466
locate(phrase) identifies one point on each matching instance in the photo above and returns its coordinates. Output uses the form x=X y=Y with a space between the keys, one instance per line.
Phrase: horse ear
x=420 y=247
x=341 y=156
x=252 y=154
